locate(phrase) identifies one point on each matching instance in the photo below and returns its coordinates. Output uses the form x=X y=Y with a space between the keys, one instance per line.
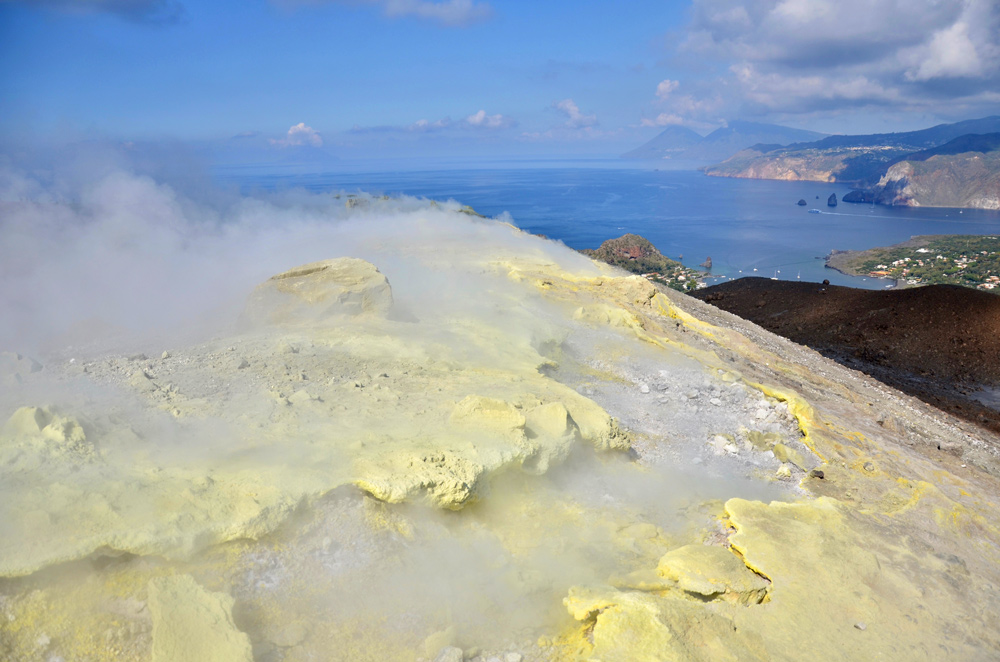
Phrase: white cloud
x=663 y=119
x=427 y=126
x=666 y=87
x=299 y=135
x=809 y=92
x=483 y=121
x=951 y=53
x=477 y=120
x=453 y=13
x=449 y=12
x=827 y=56
x=574 y=118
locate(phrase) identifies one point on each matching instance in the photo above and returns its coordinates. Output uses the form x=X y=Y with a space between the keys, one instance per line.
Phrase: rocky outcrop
x=968 y=179
x=707 y=263
x=632 y=253
x=832 y=200
x=190 y=623
x=895 y=188
x=314 y=292
x=858 y=196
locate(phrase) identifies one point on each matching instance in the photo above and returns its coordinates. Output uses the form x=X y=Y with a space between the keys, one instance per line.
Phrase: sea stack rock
x=801 y=202
x=707 y=263
x=832 y=200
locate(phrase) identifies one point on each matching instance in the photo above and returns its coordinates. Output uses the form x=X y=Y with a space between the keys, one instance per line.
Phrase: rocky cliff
x=865 y=160
x=962 y=173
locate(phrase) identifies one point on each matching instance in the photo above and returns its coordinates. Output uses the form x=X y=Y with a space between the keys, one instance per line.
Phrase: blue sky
x=486 y=78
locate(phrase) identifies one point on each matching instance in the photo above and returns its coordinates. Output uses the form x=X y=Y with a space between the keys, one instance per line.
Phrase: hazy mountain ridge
x=871 y=161
x=672 y=141
x=677 y=142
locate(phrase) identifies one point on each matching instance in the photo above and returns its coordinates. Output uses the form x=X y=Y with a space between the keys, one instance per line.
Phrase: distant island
x=639 y=256
x=949 y=165
x=954 y=259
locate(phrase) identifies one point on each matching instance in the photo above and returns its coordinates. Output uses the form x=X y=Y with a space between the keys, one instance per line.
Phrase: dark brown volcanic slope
x=940 y=343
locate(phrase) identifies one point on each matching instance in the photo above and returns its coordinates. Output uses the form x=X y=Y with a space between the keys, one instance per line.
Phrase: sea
x=747 y=227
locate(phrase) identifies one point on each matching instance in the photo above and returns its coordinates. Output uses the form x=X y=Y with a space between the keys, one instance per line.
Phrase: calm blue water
x=742 y=224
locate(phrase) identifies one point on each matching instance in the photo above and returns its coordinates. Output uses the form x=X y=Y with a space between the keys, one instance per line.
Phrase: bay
x=748 y=227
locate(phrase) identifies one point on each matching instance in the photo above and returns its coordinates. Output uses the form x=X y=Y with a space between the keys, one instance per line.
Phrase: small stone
x=732 y=449
x=869 y=466
x=291 y=635
x=137 y=357
x=449 y=654
x=165 y=355
x=643 y=388
x=784 y=471
x=243 y=364
x=300 y=396
x=718 y=443
x=784 y=454
x=817 y=473
x=716 y=401
x=439 y=643
x=761 y=414
x=861 y=626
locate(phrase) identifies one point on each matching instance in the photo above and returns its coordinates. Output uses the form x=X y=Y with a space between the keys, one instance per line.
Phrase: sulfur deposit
x=476 y=444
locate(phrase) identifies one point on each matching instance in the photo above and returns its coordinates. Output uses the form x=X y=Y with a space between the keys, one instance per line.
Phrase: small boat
x=775 y=276
x=815 y=211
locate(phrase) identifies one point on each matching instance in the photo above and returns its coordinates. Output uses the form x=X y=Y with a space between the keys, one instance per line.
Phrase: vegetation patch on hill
x=639 y=256
x=956 y=259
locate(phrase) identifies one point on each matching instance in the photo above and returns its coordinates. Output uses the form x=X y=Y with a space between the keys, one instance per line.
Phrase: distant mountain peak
x=672 y=140
x=680 y=143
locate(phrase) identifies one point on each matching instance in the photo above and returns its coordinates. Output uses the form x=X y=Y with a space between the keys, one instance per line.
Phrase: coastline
x=843 y=269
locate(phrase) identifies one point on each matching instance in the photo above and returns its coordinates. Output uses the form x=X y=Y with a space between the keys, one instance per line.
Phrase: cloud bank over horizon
x=805 y=58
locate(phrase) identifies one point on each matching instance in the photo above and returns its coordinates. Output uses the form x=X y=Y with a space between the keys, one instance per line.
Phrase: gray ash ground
x=684 y=414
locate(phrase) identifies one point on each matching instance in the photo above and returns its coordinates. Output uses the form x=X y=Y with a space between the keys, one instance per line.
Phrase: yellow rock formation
x=190 y=623
x=524 y=498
